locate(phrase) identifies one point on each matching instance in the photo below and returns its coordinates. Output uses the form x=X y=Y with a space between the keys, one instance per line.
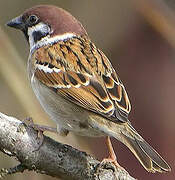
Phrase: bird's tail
x=146 y=155
x=125 y=133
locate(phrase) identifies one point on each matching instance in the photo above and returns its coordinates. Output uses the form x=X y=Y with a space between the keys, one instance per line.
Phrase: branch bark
x=52 y=158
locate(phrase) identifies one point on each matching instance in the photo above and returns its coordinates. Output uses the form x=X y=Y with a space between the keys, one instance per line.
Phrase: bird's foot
x=113 y=161
x=112 y=157
x=40 y=128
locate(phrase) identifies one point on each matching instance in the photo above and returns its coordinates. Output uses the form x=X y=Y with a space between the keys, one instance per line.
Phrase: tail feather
x=147 y=156
x=158 y=162
x=125 y=133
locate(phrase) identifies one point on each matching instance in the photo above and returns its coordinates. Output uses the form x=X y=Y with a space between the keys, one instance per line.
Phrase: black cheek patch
x=37 y=35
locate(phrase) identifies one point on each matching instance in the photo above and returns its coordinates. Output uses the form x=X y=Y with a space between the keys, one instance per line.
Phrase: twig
x=19 y=168
x=53 y=158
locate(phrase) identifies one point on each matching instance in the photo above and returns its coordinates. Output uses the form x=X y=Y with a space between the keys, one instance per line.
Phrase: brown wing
x=81 y=73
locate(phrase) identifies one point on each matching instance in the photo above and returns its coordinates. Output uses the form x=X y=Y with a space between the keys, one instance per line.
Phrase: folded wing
x=72 y=74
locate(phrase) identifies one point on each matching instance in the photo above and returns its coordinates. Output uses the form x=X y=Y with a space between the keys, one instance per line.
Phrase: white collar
x=50 y=40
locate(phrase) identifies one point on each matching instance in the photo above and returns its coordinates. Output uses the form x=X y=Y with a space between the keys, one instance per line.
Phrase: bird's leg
x=112 y=157
x=59 y=130
x=40 y=128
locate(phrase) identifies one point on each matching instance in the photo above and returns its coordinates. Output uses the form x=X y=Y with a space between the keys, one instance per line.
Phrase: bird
x=77 y=85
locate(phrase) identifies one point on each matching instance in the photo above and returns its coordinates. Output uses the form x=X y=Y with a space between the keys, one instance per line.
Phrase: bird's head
x=44 y=22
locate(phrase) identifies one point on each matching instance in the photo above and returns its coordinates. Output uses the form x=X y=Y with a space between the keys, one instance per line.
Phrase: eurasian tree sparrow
x=76 y=84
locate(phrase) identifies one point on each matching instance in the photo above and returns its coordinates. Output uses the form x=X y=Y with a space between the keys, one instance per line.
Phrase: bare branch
x=53 y=158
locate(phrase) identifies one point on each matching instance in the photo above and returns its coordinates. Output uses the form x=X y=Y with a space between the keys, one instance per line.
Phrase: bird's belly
x=66 y=114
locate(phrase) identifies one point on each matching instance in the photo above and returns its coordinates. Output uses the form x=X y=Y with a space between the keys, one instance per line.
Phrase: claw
x=40 y=128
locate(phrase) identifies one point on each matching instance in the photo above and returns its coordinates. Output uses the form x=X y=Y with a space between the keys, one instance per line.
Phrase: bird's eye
x=33 y=19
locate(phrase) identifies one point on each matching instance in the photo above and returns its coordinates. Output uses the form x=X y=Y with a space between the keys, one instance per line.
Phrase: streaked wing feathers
x=81 y=73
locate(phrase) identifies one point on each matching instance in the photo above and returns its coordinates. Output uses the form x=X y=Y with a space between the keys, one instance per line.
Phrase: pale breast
x=65 y=114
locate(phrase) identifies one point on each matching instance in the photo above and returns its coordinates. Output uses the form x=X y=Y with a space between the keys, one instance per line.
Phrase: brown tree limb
x=52 y=158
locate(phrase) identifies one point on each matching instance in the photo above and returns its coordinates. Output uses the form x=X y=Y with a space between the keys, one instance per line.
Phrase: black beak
x=16 y=23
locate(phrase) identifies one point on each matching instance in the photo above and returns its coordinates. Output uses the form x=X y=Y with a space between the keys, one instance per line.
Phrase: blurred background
x=138 y=36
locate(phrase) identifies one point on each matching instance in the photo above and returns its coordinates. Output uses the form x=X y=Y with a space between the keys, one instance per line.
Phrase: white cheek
x=40 y=27
x=31 y=40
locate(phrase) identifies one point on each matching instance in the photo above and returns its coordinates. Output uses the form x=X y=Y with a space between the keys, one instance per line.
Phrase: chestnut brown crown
x=59 y=20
